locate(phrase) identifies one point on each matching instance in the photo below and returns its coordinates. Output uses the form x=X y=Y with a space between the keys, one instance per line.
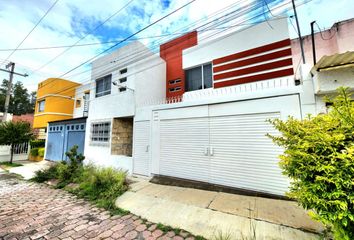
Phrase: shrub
x=38 y=143
x=319 y=159
x=46 y=174
x=102 y=185
x=34 y=152
x=41 y=152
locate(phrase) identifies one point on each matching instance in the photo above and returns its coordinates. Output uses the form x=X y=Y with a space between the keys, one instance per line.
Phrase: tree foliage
x=21 y=102
x=12 y=133
x=319 y=159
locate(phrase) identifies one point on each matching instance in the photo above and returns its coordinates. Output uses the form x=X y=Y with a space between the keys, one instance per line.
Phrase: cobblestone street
x=35 y=211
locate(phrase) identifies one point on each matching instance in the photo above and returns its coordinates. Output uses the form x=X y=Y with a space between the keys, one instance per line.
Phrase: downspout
x=313 y=43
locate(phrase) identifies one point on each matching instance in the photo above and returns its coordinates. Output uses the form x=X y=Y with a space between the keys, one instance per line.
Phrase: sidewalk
x=210 y=213
x=29 y=168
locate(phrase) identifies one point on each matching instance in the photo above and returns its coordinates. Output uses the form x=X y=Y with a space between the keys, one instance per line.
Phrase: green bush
x=41 y=152
x=319 y=159
x=34 y=152
x=38 y=143
x=46 y=174
x=102 y=185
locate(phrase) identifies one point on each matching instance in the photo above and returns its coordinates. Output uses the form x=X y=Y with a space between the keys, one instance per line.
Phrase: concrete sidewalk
x=209 y=213
x=27 y=171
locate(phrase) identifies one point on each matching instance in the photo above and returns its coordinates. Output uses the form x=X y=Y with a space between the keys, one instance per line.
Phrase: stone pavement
x=208 y=213
x=35 y=211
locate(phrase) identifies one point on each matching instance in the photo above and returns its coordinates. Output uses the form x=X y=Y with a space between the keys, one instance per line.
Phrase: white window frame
x=202 y=69
x=104 y=92
x=39 y=106
x=95 y=137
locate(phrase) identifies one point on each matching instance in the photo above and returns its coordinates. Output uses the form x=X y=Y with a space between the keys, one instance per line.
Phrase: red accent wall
x=171 y=52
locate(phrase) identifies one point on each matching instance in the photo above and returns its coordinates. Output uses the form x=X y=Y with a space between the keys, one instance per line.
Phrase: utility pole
x=9 y=87
x=299 y=32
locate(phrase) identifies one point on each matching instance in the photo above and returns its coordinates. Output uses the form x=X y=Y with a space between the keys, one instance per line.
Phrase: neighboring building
x=55 y=101
x=28 y=117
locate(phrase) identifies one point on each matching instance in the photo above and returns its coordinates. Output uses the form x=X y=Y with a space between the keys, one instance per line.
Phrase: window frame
x=202 y=72
x=105 y=91
x=39 y=106
x=97 y=128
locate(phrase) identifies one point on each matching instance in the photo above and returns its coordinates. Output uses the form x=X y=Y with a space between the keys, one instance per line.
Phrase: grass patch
x=166 y=228
x=8 y=165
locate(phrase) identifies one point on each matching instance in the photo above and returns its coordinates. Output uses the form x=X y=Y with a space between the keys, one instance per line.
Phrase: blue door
x=74 y=135
x=55 y=143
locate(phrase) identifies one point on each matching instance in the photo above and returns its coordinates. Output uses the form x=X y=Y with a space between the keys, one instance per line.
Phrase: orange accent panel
x=171 y=52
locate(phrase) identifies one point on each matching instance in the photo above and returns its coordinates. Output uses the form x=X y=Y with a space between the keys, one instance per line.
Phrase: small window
x=77 y=127
x=67 y=127
x=82 y=126
x=176 y=89
x=124 y=70
x=51 y=129
x=100 y=132
x=72 y=127
x=61 y=128
x=41 y=105
x=122 y=80
x=78 y=103
x=175 y=81
x=122 y=89
x=103 y=86
x=200 y=77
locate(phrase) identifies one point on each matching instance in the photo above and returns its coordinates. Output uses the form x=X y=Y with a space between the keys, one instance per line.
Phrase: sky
x=78 y=22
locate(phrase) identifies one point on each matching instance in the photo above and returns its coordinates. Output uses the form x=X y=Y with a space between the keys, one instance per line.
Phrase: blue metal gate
x=62 y=136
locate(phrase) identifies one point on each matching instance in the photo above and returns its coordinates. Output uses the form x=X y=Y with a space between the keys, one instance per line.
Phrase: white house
x=120 y=81
x=199 y=111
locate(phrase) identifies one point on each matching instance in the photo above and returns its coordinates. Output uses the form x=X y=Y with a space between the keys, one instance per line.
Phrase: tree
x=319 y=159
x=12 y=133
x=21 y=102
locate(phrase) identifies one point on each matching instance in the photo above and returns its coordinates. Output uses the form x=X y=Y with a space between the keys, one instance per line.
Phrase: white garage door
x=227 y=146
x=242 y=156
x=183 y=145
x=141 y=148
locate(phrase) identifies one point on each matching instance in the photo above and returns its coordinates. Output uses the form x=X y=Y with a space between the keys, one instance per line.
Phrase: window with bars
x=100 y=132
x=103 y=86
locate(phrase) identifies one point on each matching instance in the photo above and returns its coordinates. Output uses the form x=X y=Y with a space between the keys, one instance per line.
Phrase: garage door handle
x=206 y=151
x=211 y=151
x=147 y=148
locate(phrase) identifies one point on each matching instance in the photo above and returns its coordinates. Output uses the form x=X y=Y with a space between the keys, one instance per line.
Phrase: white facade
x=145 y=80
x=82 y=94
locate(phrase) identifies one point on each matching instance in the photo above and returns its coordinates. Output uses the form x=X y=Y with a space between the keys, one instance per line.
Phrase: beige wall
x=122 y=136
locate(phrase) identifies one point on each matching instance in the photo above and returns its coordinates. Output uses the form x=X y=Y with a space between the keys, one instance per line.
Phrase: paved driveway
x=35 y=211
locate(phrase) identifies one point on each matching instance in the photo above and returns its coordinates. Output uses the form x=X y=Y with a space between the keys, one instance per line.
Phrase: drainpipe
x=299 y=33
x=313 y=43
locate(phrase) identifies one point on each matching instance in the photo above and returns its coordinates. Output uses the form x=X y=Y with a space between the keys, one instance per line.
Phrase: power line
x=323 y=38
x=214 y=34
x=97 y=27
x=130 y=36
x=161 y=63
x=183 y=28
x=35 y=26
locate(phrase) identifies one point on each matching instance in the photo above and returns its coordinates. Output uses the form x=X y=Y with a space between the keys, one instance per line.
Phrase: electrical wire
x=133 y=73
x=88 y=33
x=323 y=38
x=35 y=26
x=130 y=36
x=256 y=16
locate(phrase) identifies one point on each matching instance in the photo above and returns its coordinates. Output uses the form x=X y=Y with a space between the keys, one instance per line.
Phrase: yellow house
x=55 y=101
